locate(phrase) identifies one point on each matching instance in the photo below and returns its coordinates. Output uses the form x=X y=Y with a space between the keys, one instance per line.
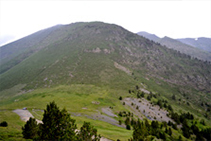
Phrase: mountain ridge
x=201 y=43
x=179 y=45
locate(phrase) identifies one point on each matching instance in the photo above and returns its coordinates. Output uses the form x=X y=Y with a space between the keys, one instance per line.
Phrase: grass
x=13 y=131
x=73 y=98
x=105 y=129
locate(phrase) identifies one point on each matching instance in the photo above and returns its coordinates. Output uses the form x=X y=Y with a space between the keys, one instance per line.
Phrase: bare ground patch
x=144 y=108
x=25 y=115
x=120 y=67
x=108 y=112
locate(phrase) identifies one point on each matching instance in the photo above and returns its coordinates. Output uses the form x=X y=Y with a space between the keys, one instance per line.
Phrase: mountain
x=152 y=37
x=184 y=48
x=65 y=59
x=180 y=46
x=15 y=52
x=201 y=43
x=87 y=67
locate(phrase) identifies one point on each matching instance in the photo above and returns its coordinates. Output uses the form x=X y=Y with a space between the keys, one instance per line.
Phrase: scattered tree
x=120 y=122
x=173 y=97
x=30 y=129
x=120 y=98
x=128 y=127
x=88 y=133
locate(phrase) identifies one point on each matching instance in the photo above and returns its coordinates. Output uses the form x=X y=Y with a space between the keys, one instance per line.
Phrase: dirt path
x=25 y=115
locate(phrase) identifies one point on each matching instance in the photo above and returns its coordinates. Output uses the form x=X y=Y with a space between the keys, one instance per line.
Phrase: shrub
x=120 y=122
x=128 y=127
x=4 y=124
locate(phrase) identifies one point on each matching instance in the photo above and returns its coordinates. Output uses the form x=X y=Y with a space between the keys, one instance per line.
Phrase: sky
x=172 y=18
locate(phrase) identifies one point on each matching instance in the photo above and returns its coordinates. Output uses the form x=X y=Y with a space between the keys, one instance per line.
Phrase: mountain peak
x=150 y=36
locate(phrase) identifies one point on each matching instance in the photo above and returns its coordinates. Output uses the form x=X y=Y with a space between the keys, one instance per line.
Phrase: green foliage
x=128 y=127
x=142 y=130
x=120 y=98
x=13 y=130
x=174 y=97
x=88 y=133
x=57 y=124
x=4 y=124
x=30 y=129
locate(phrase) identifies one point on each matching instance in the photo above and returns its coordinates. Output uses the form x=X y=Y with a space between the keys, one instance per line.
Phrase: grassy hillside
x=87 y=66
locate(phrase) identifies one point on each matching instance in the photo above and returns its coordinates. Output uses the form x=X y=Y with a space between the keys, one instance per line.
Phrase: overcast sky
x=173 y=18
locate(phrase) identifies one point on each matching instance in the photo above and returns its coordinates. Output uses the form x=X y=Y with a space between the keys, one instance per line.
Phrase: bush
x=128 y=127
x=4 y=124
x=120 y=98
x=120 y=122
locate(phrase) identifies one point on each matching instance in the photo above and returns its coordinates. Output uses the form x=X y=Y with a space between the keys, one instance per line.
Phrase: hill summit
x=95 y=53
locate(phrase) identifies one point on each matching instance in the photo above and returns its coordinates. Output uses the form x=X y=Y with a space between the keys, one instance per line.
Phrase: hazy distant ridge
x=187 y=46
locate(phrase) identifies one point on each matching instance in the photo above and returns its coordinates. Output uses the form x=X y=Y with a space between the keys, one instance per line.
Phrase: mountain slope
x=201 y=43
x=183 y=48
x=180 y=46
x=13 y=53
x=152 y=37
x=89 y=51
x=87 y=67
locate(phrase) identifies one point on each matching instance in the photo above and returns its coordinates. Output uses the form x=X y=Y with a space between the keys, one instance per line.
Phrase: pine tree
x=30 y=129
x=88 y=133
x=57 y=125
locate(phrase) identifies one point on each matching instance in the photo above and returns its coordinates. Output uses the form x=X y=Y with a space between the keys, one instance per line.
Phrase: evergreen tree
x=174 y=97
x=140 y=131
x=128 y=127
x=88 y=133
x=57 y=125
x=170 y=131
x=142 y=94
x=30 y=129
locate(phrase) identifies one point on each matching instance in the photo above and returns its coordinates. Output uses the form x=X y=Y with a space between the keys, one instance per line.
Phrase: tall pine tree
x=30 y=129
x=57 y=125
